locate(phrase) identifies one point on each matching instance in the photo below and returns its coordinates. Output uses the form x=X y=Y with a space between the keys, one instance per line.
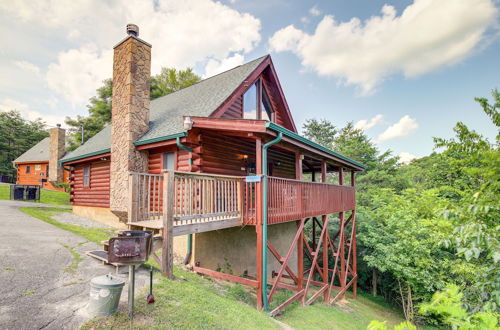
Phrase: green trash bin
x=105 y=292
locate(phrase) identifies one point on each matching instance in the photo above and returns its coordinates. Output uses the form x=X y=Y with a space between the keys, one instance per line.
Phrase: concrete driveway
x=37 y=289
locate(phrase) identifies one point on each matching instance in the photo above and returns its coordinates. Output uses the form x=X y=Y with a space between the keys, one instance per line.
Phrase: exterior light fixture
x=188 y=123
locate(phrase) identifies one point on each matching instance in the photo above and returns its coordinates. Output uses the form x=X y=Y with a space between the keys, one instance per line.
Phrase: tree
x=17 y=135
x=168 y=81
x=171 y=80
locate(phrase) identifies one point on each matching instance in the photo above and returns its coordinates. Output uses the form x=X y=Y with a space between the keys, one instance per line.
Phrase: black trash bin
x=22 y=192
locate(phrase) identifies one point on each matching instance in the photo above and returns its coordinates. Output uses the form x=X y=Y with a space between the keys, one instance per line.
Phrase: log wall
x=97 y=193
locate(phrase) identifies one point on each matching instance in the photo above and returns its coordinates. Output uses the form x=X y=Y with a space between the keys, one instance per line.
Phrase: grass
x=355 y=314
x=46 y=196
x=77 y=258
x=96 y=235
x=28 y=293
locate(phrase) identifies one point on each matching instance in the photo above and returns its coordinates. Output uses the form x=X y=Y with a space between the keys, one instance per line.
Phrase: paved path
x=37 y=290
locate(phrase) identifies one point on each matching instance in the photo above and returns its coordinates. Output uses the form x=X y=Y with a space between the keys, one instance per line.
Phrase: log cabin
x=40 y=164
x=219 y=170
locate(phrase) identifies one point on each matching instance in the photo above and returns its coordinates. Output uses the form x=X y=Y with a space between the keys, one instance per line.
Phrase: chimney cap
x=133 y=30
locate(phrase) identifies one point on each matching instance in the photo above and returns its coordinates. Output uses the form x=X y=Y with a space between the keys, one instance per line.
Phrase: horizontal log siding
x=97 y=193
x=235 y=111
x=224 y=155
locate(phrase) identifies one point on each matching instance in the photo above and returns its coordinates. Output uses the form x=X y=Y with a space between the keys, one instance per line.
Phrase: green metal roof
x=302 y=139
x=166 y=112
x=38 y=153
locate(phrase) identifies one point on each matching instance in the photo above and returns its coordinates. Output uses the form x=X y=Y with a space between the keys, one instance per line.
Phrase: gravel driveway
x=38 y=290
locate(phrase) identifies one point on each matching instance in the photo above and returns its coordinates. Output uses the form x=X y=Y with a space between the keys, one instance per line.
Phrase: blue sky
x=404 y=71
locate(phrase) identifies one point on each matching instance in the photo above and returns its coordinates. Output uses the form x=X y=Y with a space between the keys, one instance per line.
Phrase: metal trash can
x=105 y=292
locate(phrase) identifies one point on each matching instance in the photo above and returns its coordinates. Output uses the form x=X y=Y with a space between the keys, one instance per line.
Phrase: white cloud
x=27 y=66
x=427 y=35
x=315 y=11
x=183 y=33
x=406 y=157
x=366 y=124
x=214 y=66
x=78 y=72
x=304 y=19
x=8 y=104
x=404 y=127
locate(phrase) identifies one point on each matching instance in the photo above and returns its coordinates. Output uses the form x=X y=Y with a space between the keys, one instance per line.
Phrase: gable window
x=256 y=103
x=250 y=103
x=86 y=176
x=168 y=161
x=28 y=169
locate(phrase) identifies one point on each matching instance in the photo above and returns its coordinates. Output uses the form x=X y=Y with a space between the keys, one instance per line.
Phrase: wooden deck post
x=168 y=224
x=342 y=241
x=325 y=237
x=300 y=243
x=353 y=242
x=258 y=226
x=133 y=203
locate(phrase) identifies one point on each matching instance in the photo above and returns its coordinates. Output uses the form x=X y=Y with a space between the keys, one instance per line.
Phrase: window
x=250 y=103
x=250 y=99
x=86 y=176
x=38 y=167
x=169 y=161
x=47 y=170
x=28 y=169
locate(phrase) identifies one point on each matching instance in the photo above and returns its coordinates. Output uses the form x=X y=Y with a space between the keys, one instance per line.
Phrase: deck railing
x=201 y=197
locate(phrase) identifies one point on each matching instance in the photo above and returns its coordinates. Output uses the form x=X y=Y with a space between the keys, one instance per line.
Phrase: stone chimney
x=56 y=152
x=130 y=115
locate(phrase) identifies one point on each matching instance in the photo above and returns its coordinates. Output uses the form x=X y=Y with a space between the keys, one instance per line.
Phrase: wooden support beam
x=315 y=260
x=300 y=223
x=258 y=226
x=281 y=260
x=343 y=290
x=285 y=262
x=168 y=225
x=227 y=277
x=296 y=296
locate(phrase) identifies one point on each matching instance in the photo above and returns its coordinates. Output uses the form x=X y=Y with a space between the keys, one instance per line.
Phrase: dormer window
x=256 y=103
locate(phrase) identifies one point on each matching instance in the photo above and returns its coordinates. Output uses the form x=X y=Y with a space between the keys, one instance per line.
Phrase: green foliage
x=17 y=135
x=446 y=306
x=168 y=81
x=378 y=325
x=171 y=80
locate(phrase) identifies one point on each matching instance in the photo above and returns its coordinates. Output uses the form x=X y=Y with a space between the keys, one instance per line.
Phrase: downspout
x=187 y=258
x=264 y=217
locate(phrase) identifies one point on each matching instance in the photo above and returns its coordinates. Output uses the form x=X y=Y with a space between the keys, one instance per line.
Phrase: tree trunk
x=374 y=282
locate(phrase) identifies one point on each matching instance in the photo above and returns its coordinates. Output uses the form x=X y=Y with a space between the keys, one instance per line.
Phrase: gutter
x=160 y=139
x=187 y=258
x=90 y=154
x=295 y=136
x=264 y=217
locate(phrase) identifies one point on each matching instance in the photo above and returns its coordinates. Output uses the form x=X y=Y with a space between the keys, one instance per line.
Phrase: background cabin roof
x=38 y=153
x=166 y=112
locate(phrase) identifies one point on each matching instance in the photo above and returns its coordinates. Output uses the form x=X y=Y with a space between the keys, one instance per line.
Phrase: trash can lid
x=108 y=280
